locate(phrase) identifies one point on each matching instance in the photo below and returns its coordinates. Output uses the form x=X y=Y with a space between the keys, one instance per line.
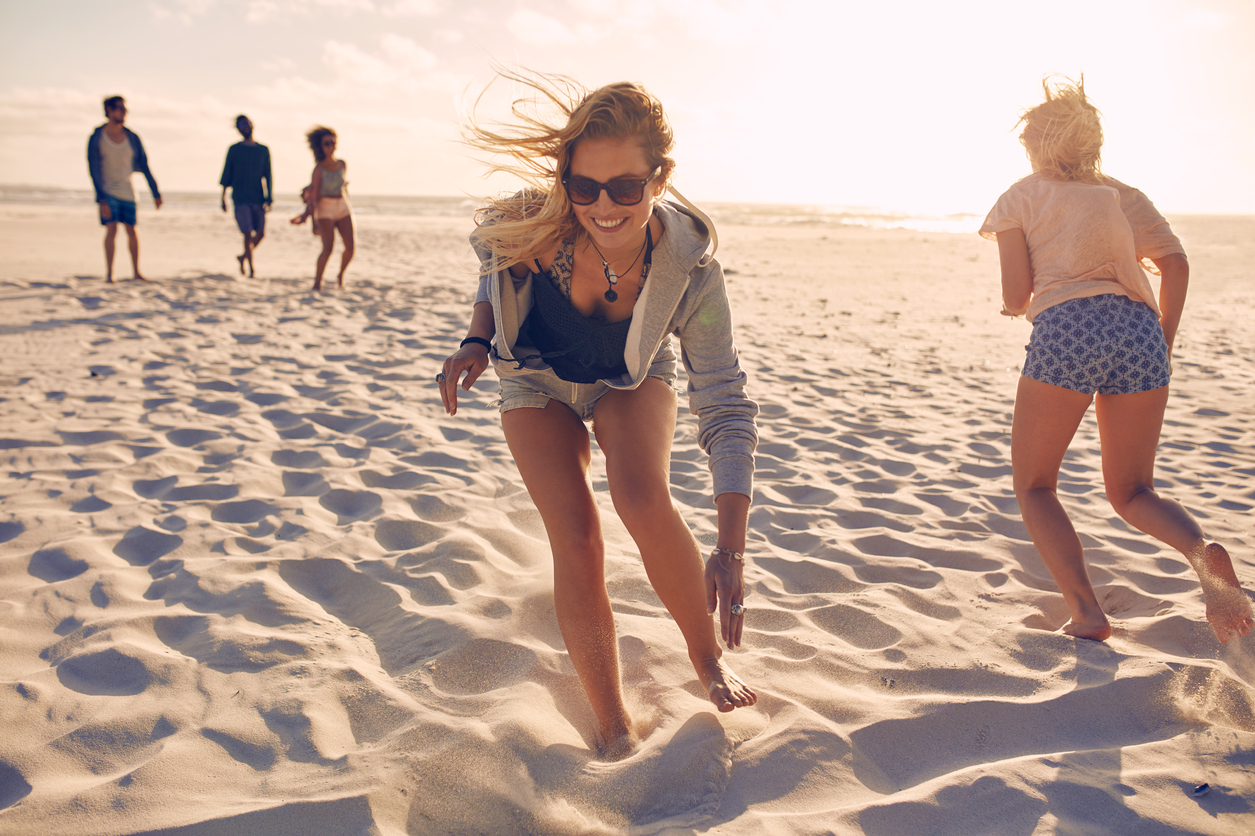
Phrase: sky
x=902 y=105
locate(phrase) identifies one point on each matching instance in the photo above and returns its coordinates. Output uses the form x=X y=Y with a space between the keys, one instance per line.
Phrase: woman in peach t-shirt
x=1071 y=242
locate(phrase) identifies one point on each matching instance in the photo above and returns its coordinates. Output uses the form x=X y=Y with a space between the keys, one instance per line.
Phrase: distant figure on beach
x=247 y=165
x=584 y=279
x=1070 y=240
x=327 y=202
x=114 y=152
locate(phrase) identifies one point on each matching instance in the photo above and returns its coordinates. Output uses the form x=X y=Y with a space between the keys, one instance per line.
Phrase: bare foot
x=1098 y=631
x=140 y=278
x=1228 y=608
x=340 y=282
x=109 y=280
x=727 y=690
x=617 y=748
x=317 y=286
x=240 y=259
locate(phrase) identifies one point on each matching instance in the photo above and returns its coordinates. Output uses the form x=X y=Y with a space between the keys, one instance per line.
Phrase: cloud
x=260 y=11
x=535 y=28
x=400 y=63
x=411 y=8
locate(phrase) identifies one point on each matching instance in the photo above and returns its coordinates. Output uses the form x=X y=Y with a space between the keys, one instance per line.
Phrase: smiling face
x=613 y=226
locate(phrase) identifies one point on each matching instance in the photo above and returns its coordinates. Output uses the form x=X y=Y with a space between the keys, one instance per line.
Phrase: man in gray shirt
x=113 y=153
x=248 y=164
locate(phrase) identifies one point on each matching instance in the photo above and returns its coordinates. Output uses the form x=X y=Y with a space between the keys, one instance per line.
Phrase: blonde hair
x=1063 y=134
x=521 y=227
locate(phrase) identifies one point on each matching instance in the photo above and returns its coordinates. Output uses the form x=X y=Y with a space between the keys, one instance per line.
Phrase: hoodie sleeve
x=94 y=165
x=716 y=388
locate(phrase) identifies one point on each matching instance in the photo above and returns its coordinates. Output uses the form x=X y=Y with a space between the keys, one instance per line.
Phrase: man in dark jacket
x=113 y=153
x=248 y=164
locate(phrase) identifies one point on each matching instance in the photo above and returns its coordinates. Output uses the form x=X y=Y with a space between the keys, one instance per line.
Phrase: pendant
x=610 y=294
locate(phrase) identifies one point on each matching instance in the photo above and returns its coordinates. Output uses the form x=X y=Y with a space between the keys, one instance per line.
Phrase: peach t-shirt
x=1084 y=239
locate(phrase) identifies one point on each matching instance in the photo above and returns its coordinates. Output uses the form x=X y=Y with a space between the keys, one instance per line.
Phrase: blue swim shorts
x=250 y=217
x=1109 y=344
x=120 y=211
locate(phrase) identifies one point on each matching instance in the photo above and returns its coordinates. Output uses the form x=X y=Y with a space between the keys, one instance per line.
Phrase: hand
x=299 y=219
x=157 y=201
x=224 y=204
x=471 y=359
x=725 y=586
x=105 y=213
x=269 y=206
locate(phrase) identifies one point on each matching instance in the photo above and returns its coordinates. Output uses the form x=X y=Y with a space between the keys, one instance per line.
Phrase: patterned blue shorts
x=1109 y=344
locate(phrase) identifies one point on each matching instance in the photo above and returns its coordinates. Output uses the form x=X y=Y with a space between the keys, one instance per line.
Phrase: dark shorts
x=1109 y=344
x=250 y=217
x=120 y=211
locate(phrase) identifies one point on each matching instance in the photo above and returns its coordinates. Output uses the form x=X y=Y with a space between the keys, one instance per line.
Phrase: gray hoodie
x=685 y=296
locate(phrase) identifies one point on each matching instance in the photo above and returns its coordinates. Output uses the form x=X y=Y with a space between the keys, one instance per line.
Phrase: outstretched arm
x=1017 y=272
x=725 y=575
x=471 y=359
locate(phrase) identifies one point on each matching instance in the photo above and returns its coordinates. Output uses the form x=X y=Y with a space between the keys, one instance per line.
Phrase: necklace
x=612 y=278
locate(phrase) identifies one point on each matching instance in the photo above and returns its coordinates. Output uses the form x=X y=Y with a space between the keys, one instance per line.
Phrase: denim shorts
x=1109 y=344
x=537 y=389
x=120 y=211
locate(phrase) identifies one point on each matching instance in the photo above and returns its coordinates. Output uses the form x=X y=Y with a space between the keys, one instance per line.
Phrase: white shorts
x=332 y=209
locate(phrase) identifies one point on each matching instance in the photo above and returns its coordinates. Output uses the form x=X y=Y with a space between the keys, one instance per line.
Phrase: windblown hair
x=520 y=228
x=314 y=137
x=1063 y=134
x=112 y=102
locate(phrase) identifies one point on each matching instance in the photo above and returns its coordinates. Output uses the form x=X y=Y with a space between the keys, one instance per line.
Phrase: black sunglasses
x=625 y=191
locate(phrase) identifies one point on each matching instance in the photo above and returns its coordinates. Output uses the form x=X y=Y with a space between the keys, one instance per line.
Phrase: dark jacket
x=140 y=162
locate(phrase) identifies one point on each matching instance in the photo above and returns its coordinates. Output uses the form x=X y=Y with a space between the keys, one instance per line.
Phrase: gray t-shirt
x=117 y=161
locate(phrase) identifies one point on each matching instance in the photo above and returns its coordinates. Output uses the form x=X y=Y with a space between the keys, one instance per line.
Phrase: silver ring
x=738 y=609
x=440 y=378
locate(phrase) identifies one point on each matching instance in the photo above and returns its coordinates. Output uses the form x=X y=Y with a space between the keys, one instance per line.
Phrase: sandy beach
x=253 y=579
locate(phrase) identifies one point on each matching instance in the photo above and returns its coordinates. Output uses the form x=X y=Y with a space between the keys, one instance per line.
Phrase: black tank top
x=580 y=349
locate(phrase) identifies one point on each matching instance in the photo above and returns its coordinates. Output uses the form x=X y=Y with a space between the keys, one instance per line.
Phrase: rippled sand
x=254 y=580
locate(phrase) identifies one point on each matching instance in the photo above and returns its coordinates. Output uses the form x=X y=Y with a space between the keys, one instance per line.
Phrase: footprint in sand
x=13 y=786
x=141 y=546
x=855 y=626
x=10 y=529
x=54 y=565
x=405 y=535
x=304 y=483
x=300 y=459
x=191 y=437
x=104 y=672
x=351 y=505
x=243 y=512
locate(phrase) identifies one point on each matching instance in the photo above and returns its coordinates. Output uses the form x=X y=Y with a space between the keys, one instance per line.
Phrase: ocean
x=750 y=214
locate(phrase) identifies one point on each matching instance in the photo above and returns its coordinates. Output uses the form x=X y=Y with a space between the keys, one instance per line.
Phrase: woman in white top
x=1070 y=240
x=327 y=200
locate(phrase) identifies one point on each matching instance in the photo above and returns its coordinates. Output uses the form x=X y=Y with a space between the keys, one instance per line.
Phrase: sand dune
x=254 y=580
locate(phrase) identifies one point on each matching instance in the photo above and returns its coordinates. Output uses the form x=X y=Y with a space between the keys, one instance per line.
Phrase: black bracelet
x=477 y=341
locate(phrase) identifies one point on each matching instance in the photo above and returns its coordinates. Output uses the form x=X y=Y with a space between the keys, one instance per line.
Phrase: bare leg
x=132 y=243
x=1046 y=418
x=246 y=256
x=111 y=236
x=345 y=225
x=327 y=230
x=551 y=449
x=635 y=428
x=1130 y=426
x=251 y=242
